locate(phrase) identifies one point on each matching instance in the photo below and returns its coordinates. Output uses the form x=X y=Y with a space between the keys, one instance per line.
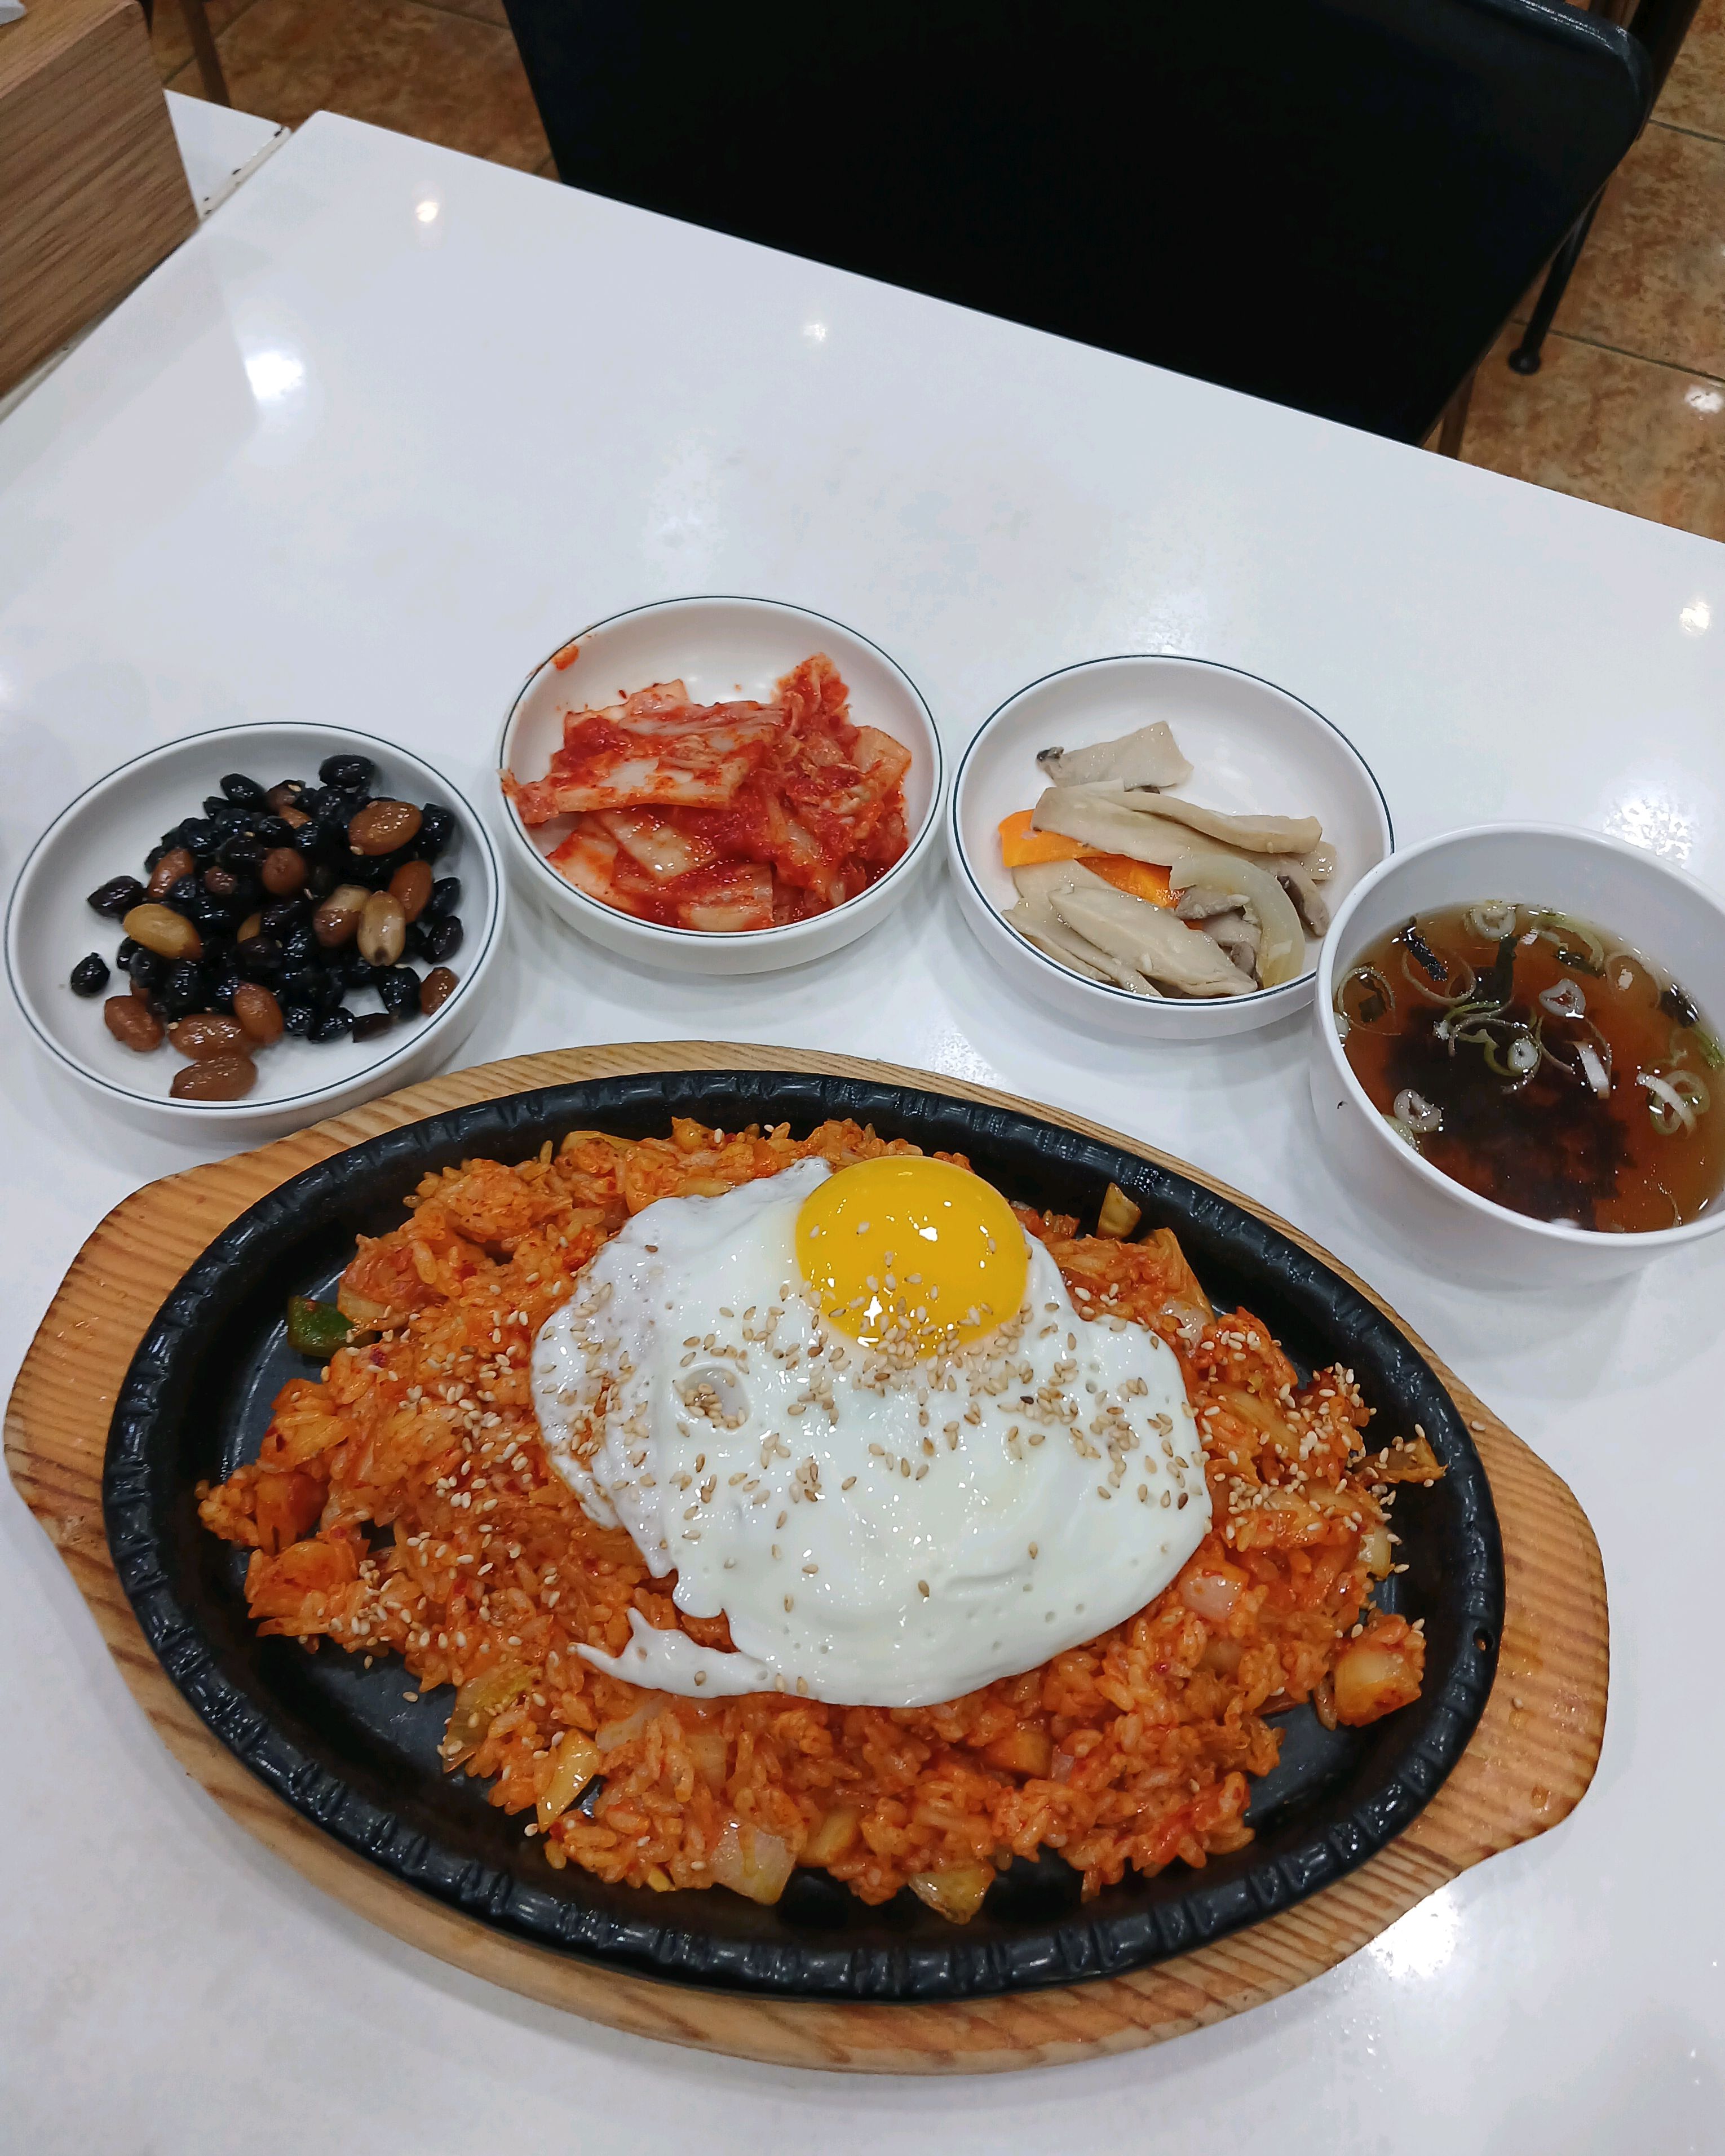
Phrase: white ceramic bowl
x=1252 y=747
x=1626 y=892
x=107 y=831
x=720 y=647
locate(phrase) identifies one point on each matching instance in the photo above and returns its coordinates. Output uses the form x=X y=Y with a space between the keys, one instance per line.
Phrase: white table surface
x=389 y=428
x=219 y=148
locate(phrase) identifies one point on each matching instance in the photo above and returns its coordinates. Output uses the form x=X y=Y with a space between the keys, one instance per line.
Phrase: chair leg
x=1525 y=358
x=1454 y=423
x=203 y=48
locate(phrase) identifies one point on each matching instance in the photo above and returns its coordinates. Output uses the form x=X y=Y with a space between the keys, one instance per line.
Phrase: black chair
x=1659 y=27
x=1332 y=203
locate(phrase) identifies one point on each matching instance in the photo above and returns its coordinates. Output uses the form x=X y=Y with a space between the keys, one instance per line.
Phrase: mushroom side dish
x=1124 y=881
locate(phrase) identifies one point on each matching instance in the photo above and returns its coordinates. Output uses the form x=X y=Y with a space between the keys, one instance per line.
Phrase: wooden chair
x=1334 y=203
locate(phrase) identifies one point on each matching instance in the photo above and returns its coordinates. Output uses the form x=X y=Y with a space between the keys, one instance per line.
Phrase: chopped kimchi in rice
x=724 y=816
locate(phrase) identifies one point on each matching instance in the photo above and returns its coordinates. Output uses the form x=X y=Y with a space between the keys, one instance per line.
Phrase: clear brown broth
x=1545 y=1141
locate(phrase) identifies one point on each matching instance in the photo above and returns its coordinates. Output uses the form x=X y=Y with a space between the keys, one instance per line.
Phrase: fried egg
x=857 y=1414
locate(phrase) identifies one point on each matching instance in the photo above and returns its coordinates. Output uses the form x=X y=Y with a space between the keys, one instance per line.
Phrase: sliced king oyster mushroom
x=1251 y=835
x=1035 y=920
x=1281 y=951
x=1296 y=879
x=1149 y=938
x=1151 y=757
x=1101 y=820
x=1237 y=933
x=1219 y=913
x=1040 y=926
x=1201 y=903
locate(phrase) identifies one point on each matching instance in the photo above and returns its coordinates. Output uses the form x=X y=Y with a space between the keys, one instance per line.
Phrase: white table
x=219 y=148
x=389 y=428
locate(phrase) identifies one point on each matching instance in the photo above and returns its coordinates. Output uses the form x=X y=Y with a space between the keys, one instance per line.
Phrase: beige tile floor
x=1628 y=408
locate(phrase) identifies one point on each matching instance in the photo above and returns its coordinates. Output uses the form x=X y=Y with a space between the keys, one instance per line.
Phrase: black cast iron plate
x=344 y=1748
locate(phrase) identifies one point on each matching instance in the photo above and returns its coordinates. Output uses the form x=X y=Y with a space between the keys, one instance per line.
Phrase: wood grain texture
x=1528 y=1764
x=93 y=192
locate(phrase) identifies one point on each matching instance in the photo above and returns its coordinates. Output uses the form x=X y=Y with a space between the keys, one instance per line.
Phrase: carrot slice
x=1020 y=845
x=1137 y=877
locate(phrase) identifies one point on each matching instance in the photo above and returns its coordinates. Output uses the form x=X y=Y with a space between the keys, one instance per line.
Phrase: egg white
x=875 y=1536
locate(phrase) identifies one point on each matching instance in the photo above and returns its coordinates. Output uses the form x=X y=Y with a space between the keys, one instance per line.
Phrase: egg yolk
x=912 y=1255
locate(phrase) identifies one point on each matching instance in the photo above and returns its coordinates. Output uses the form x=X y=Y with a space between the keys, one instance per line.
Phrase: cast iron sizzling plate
x=344 y=1747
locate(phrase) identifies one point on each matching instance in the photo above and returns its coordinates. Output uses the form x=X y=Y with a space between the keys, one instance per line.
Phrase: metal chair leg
x=1525 y=358
x=204 y=48
x=1454 y=423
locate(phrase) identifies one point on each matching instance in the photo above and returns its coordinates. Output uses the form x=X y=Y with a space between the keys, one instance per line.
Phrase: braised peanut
x=221 y=1078
x=284 y=871
x=383 y=929
x=132 y=1023
x=175 y=863
x=436 y=989
x=337 y=921
x=168 y=934
x=258 y=1012
x=382 y=826
x=205 y=1034
x=412 y=885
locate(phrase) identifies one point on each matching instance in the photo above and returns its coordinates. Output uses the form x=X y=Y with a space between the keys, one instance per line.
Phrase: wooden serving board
x=1530 y=1761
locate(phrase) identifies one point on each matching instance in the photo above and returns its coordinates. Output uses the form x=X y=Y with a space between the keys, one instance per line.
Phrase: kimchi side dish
x=723 y=817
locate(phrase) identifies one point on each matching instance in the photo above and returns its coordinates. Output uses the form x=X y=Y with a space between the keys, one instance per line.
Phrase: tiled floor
x=1628 y=409
x=446 y=70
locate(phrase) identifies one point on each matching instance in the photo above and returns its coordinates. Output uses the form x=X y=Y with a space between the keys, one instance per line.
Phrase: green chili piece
x=316 y=1329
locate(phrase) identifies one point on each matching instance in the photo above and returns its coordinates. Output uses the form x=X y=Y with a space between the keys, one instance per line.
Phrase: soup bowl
x=1639 y=901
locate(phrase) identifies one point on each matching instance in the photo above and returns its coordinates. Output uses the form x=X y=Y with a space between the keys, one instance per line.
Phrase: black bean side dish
x=268 y=913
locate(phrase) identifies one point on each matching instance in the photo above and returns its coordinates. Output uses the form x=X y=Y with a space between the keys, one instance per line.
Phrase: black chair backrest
x=1334 y=203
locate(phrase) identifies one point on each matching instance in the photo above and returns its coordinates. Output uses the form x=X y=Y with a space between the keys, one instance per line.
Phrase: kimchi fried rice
x=401 y=1503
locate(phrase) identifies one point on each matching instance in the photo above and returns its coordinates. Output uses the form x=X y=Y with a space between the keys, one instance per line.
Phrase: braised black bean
x=445 y=896
x=442 y=938
x=246 y=791
x=349 y=772
x=437 y=828
x=284 y=913
x=184 y=987
x=332 y=1025
x=116 y=897
x=298 y=1017
x=244 y=852
x=90 y=976
x=312 y=985
x=399 y=990
x=259 y=957
x=213 y=913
